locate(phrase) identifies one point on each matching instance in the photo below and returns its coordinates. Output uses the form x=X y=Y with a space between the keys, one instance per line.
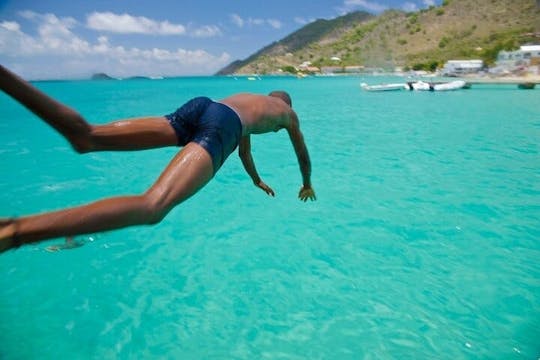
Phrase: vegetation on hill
x=288 y=51
x=101 y=76
x=458 y=29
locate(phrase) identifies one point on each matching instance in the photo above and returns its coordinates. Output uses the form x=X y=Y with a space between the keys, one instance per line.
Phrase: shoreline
x=534 y=79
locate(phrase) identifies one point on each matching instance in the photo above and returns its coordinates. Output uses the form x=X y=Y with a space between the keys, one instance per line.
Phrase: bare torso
x=258 y=113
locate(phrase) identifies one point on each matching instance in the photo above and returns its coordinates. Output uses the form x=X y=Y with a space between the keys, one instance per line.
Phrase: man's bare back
x=259 y=113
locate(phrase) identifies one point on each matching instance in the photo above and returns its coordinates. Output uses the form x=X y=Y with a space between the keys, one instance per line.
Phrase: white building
x=461 y=67
x=526 y=56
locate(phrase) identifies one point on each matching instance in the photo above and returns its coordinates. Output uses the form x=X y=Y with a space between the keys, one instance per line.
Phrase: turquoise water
x=424 y=242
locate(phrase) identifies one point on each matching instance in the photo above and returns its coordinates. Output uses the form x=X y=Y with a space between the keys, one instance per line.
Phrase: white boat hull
x=384 y=87
x=429 y=86
x=416 y=85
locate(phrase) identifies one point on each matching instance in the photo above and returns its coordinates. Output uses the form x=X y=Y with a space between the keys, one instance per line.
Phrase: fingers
x=306 y=194
x=270 y=192
x=267 y=189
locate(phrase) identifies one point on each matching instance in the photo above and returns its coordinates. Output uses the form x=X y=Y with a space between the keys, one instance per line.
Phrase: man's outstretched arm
x=244 y=151
x=297 y=139
x=61 y=117
x=128 y=134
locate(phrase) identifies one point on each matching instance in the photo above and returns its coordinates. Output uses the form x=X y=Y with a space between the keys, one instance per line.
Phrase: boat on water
x=436 y=86
x=384 y=87
x=526 y=86
x=417 y=85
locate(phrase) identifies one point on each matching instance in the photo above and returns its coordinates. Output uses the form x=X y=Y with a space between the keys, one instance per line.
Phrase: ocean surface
x=424 y=241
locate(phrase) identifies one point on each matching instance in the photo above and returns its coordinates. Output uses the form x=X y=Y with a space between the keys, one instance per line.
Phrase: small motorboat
x=384 y=87
x=526 y=86
x=436 y=86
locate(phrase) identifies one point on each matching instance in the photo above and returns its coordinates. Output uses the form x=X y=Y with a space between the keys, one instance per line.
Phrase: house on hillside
x=354 y=69
x=306 y=66
x=462 y=67
x=328 y=70
x=526 y=59
x=350 y=69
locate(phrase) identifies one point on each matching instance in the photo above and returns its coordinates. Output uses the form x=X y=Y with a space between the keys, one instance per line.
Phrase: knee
x=155 y=209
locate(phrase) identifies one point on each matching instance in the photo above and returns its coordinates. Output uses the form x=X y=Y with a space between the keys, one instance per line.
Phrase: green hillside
x=458 y=29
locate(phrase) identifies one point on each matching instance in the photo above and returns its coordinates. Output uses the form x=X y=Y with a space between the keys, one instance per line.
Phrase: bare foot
x=8 y=228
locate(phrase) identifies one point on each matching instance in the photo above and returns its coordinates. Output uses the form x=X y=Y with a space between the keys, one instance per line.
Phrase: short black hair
x=283 y=95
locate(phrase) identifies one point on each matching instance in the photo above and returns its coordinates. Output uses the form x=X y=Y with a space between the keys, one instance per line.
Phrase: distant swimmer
x=69 y=244
x=208 y=132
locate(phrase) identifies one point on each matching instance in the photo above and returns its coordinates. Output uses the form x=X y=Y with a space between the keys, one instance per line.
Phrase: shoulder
x=288 y=113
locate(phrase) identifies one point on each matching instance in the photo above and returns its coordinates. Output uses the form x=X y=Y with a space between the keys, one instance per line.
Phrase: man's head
x=282 y=95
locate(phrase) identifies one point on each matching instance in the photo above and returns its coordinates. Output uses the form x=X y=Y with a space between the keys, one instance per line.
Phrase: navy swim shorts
x=214 y=126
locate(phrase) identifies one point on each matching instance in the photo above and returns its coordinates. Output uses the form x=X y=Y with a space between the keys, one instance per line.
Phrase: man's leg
x=131 y=134
x=189 y=171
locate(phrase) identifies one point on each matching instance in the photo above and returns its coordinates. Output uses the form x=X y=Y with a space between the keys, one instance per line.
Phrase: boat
x=526 y=86
x=436 y=86
x=418 y=85
x=384 y=87
x=451 y=85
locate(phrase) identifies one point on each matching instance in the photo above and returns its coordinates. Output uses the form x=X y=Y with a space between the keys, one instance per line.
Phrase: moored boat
x=384 y=87
x=418 y=85
x=527 y=86
x=436 y=86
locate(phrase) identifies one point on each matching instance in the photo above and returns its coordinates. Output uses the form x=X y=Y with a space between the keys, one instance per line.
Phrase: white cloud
x=256 y=21
x=363 y=4
x=240 y=22
x=128 y=24
x=56 y=51
x=54 y=35
x=10 y=25
x=429 y=3
x=13 y=42
x=237 y=20
x=206 y=31
x=27 y=14
x=409 y=7
x=276 y=24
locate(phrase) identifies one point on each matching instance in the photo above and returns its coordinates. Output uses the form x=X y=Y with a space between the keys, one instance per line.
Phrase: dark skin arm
x=244 y=151
x=297 y=139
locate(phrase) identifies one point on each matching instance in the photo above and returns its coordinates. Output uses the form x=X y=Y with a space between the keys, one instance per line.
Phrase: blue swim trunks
x=214 y=126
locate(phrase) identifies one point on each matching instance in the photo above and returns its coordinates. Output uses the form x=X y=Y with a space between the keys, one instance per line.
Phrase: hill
x=101 y=76
x=425 y=39
x=287 y=51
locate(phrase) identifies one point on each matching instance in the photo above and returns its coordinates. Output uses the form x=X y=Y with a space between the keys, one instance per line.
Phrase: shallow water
x=423 y=243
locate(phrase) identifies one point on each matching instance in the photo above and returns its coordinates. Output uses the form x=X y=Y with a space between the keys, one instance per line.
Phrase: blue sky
x=43 y=39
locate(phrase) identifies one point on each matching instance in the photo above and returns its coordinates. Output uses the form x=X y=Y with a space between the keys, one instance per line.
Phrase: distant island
x=102 y=76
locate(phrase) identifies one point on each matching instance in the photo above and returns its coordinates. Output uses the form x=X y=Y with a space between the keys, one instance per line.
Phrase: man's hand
x=306 y=192
x=267 y=189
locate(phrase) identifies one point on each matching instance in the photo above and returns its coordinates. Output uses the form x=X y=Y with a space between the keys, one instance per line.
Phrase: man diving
x=208 y=132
